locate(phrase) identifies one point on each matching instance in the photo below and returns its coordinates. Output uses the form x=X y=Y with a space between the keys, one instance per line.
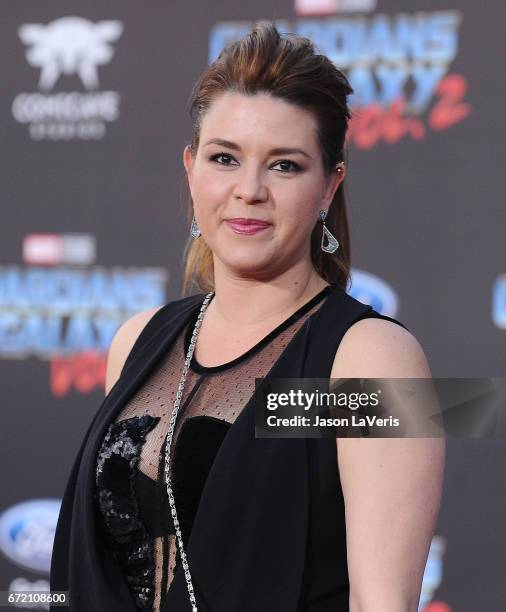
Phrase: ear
x=188 y=163
x=333 y=182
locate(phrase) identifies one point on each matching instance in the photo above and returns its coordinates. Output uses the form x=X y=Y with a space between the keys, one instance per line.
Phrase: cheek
x=207 y=191
x=300 y=209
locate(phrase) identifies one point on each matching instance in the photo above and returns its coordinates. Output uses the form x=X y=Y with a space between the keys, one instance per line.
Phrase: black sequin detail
x=135 y=507
x=115 y=478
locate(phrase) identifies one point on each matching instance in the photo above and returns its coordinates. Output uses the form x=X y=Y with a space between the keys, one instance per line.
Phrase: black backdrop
x=94 y=119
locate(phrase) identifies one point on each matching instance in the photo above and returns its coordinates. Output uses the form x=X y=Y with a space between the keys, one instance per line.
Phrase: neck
x=245 y=302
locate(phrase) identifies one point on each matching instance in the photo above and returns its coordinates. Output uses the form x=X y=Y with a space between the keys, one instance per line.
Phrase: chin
x=245 y=262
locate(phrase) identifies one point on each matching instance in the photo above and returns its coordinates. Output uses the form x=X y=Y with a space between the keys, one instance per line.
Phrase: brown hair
x=287 y=68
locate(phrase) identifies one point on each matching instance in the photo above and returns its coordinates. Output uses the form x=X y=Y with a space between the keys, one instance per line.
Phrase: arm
x=122 y=344
x=392 y=486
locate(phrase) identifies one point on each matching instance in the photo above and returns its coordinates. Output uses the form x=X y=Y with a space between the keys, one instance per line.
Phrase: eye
x=216 y=156
x=295 y=167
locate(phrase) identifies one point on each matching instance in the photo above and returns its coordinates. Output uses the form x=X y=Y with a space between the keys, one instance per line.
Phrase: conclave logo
x=64 y=47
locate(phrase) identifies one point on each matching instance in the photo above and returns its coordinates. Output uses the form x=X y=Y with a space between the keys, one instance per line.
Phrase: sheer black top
x=131 y=491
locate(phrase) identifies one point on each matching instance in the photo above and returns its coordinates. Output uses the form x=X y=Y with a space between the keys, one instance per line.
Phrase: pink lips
x=247 y=226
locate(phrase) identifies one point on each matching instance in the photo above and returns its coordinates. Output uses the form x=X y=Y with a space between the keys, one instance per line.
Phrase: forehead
x=237 y=116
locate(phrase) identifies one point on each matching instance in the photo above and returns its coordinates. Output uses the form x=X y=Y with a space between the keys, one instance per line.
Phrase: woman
x=173 y=504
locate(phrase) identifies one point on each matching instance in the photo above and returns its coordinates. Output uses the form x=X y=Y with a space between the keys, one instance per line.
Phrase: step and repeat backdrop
x=94 y=118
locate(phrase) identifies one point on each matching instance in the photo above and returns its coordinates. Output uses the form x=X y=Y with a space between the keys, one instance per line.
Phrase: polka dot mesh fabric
x=148 y=552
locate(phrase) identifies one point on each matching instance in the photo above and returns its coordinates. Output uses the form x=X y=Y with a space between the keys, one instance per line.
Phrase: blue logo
x=374 y=291
x=499 y=301
x=433 y=573
x=27 y=533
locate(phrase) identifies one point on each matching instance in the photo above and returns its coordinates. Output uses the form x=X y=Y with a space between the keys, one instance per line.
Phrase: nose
x=250 y=186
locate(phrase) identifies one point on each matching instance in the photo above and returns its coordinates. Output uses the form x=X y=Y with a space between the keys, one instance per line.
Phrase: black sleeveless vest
x=285 y=493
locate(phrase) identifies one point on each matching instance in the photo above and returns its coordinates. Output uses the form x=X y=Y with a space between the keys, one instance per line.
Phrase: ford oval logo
x=372 y=290
x=27 y=533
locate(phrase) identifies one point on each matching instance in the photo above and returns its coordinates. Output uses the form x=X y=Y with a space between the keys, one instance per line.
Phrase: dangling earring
x=333 y=243
x=195 y=229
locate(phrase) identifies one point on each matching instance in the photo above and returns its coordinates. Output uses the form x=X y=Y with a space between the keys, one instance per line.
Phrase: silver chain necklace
x=168 y=443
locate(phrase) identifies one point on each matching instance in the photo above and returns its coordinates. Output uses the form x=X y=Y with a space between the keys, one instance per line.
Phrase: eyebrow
x=276 y=151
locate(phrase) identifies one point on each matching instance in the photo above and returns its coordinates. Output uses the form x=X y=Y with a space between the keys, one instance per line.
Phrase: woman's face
x=258 y=158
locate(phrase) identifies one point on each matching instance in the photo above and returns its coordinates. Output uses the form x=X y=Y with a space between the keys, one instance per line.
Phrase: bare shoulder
x=122 y=344
x=392 y=487
x=379 y=348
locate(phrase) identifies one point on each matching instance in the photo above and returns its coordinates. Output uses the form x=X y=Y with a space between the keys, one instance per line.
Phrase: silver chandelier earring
x=195 y=229
x=332 y=244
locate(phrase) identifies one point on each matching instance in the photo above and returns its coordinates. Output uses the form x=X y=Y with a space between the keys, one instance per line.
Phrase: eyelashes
x=294 y=166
